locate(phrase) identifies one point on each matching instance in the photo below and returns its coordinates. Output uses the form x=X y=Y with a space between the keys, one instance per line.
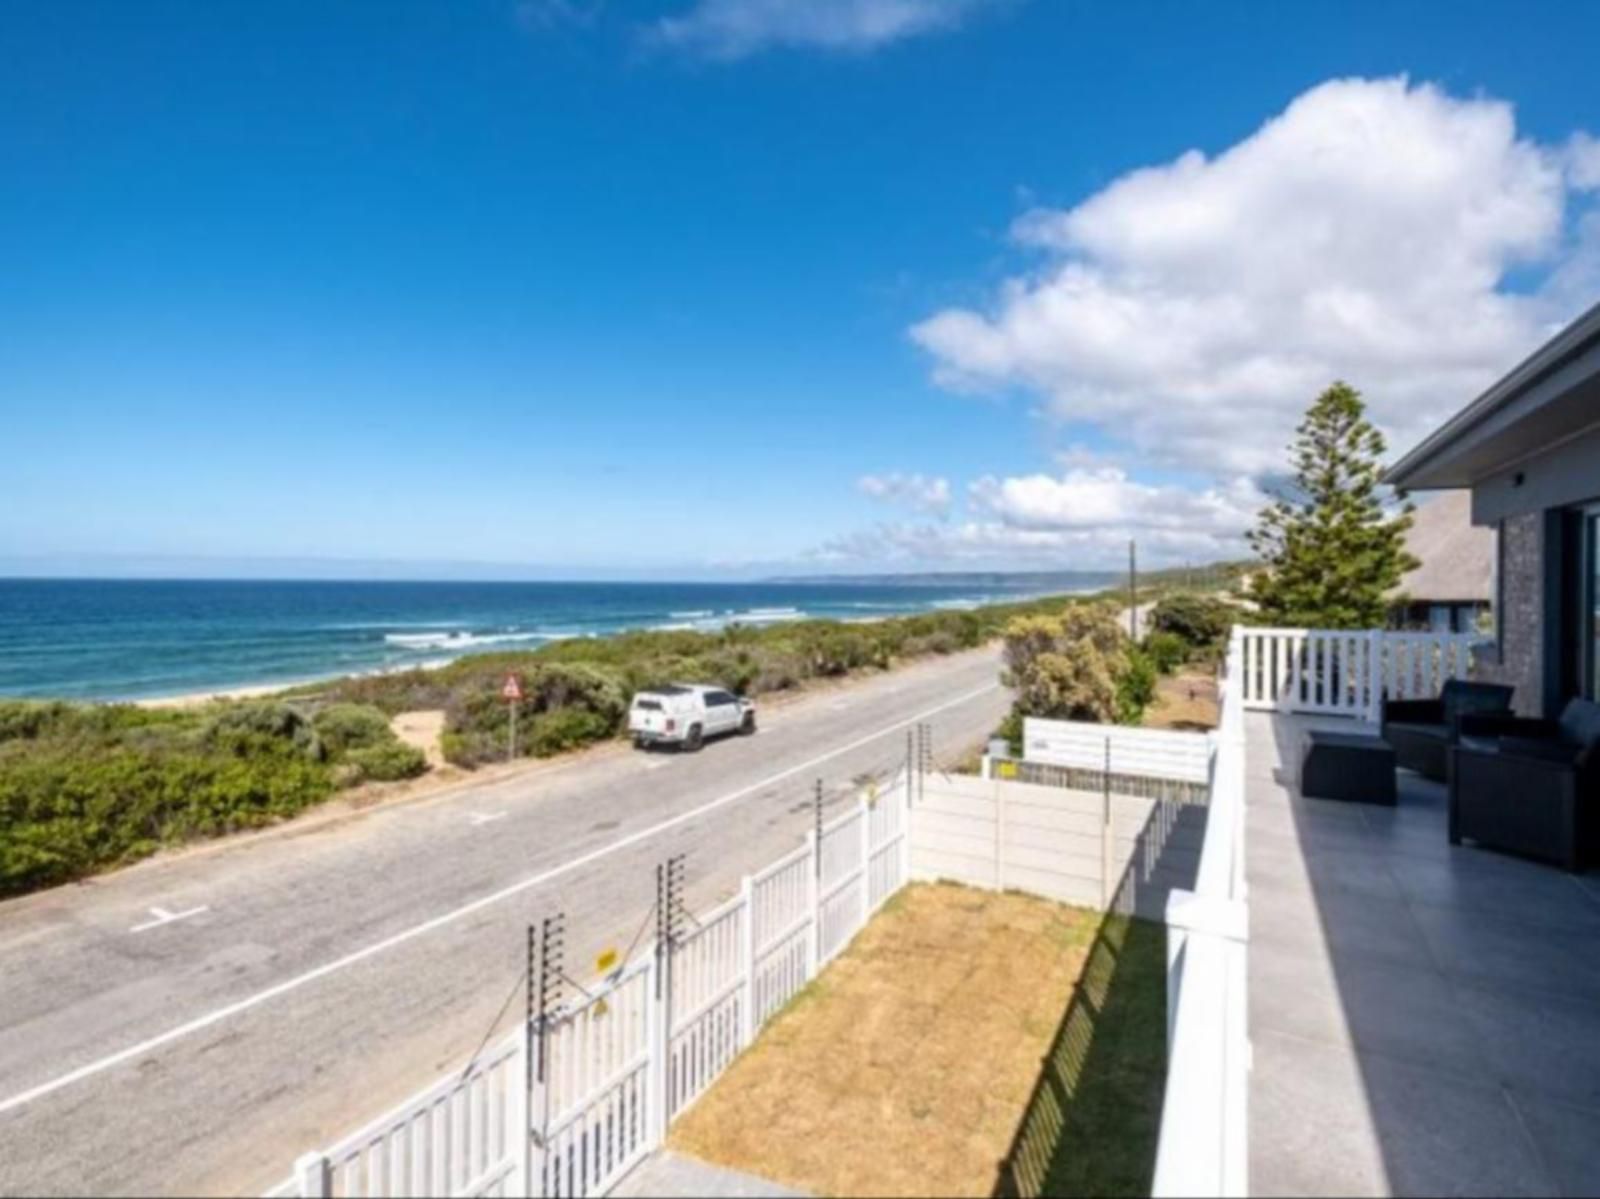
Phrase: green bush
x=240 y=728
x=345 y=726
x=1167 y=651
x=1201 y=621
x=563 y=705
x=68 y=813
x=1136 y=687
x=387 y=762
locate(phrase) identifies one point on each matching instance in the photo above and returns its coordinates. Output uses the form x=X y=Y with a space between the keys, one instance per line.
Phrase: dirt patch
x=907 y=1067
x=422 y=730
x=1186 y=700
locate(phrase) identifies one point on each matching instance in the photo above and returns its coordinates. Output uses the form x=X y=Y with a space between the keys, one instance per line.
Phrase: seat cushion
x=1543 y=749
x=1461 y=695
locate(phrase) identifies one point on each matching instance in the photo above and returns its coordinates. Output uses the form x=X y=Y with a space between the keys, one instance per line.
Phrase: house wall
x=1518 y=659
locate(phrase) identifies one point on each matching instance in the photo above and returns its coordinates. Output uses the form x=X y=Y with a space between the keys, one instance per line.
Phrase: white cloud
x=1080 y=519
x=1582 y=161
x=1192 y=310
x=1106 y=498
x=924 y=492
x=731 y=29
x=994 y=545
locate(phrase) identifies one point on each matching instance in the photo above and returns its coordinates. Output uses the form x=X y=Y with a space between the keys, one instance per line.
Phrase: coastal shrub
x=1136 y=686
x=1166 y=651
x=1067 y=666
x=591 y=702
x=1077 y=665
x=67 y=813
x=245 y=727
x=567 y=728
x=386 y=762
x=345 y=726
x=24 y=719
x=1201 y=621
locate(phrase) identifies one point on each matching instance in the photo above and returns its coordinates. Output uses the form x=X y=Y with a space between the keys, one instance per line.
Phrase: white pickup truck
x=685 y=715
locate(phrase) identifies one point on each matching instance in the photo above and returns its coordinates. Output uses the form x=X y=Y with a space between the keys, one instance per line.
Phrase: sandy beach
x=195 y=699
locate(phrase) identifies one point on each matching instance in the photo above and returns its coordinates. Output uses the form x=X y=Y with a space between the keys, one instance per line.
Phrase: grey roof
x=1457 y=556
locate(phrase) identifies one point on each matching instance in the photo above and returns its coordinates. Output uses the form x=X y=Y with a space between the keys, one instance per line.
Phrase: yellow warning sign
x=1006 y=770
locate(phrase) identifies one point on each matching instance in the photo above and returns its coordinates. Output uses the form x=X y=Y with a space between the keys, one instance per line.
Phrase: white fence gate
x=568 y=1109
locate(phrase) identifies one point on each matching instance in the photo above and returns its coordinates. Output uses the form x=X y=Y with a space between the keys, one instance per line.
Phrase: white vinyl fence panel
x=1147 y=753
x=568 y=1108
x=1345 y=672
x=465 y=1135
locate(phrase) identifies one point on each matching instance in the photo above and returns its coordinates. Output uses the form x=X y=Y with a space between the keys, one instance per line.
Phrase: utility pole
x=1133 y=592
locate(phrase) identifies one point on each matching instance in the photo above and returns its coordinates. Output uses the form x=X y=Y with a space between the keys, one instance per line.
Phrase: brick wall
x=1520 y=658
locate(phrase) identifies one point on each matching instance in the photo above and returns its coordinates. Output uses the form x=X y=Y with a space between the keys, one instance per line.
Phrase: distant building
x=1453 y=590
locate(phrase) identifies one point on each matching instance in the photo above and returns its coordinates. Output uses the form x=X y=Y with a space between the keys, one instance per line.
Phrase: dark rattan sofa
x=1422 y=730
x=1529 y=787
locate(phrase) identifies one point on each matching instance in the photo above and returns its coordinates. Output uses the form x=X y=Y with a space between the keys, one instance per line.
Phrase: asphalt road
x=191 y=1025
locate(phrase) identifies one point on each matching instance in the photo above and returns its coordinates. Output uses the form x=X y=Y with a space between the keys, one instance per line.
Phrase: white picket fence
x=620 y=1064
x=1346 y=672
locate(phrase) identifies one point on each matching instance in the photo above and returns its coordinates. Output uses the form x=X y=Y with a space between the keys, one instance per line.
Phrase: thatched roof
x=1457 y=557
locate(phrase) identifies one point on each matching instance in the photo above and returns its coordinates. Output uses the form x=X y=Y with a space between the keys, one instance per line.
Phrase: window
x=718 y=698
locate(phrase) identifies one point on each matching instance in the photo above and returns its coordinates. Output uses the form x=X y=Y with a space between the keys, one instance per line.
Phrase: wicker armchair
x=1422 y=730
x=1529 y=787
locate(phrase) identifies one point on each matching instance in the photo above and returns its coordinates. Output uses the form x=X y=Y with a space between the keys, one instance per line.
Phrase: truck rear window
x=649 y=705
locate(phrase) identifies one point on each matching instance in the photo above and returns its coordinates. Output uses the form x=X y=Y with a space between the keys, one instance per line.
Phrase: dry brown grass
x=906 y=1067
x=1186 y=700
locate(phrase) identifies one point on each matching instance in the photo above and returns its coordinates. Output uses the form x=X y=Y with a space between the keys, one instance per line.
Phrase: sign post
x=511 y=692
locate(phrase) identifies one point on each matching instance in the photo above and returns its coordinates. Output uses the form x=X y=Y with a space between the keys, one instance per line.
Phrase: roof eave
x=1426 y=467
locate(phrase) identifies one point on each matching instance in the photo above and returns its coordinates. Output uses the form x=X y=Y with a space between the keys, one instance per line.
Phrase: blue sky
x=710 y=287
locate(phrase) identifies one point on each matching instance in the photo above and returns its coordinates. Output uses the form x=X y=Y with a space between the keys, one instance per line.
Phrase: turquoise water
x=125 y=639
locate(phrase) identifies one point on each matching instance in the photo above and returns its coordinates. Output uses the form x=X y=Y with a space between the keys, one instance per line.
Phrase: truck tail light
x=672 y=726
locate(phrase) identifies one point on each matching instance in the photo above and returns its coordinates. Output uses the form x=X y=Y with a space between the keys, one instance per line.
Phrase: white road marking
x=657 y=764
x=477 y=905
x=162 y=916
x=479 y=819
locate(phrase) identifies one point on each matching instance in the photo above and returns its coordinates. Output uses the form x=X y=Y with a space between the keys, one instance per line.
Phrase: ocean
x=139 y=639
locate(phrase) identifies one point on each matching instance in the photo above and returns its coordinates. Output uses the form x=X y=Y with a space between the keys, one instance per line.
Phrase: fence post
x=1374 y=676
x=656 y=1059
x=866 y=861
x=905 y=834
x=1105 y=834
x=311 y=1173
x=999 y=836
x=522 y=1110
x=747 y=999
x=814 y=941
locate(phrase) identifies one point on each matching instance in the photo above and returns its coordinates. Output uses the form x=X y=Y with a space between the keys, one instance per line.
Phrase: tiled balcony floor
x=1425 y=1019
